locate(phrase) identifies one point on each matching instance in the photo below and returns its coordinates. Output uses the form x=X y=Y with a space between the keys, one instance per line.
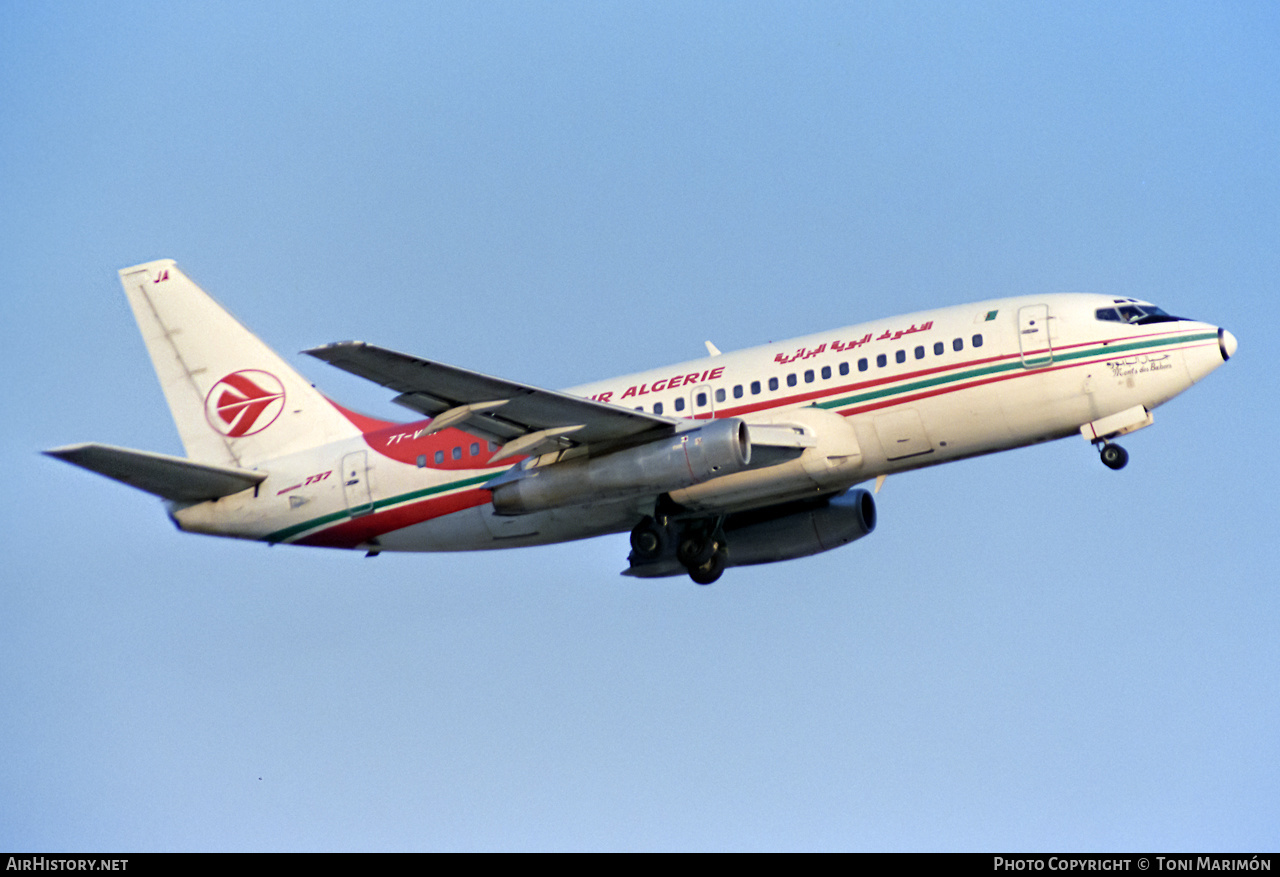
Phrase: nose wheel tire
x=1114 y=456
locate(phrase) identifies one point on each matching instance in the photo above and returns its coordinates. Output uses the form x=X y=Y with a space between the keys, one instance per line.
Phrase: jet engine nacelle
x=831 y=461
x=690 y=457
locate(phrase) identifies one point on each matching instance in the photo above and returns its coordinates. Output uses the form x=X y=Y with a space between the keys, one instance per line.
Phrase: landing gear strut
x=1113 y=456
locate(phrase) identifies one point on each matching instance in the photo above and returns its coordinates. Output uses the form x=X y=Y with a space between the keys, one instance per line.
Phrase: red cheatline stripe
x=786 y=401
x=939 y=391
x=357 y=531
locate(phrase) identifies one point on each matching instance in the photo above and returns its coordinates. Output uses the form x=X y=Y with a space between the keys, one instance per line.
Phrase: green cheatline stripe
x=1013 y=365
x=287 y=532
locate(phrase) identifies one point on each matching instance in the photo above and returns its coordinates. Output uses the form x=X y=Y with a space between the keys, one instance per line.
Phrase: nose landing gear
x=1113 y=456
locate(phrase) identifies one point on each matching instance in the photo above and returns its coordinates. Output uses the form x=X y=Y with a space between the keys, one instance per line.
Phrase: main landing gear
x=699 y=546
x=701 y=551
x=649 y=540
x=1113 y=456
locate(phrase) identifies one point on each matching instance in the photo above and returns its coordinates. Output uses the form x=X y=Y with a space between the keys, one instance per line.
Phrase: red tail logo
x=244 y=403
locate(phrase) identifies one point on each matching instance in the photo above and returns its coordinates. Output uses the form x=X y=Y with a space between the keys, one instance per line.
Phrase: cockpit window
x=1133 y=313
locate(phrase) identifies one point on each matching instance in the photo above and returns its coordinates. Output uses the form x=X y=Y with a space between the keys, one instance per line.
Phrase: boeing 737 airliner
x=735 y=459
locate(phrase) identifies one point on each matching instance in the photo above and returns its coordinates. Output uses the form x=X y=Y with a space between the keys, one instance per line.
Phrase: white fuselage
x=874 y=399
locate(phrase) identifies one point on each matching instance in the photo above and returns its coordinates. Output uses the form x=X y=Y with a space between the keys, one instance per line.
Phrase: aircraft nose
x=1226 y=344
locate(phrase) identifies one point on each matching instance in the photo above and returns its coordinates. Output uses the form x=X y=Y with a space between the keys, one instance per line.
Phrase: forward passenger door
x=1033 y=336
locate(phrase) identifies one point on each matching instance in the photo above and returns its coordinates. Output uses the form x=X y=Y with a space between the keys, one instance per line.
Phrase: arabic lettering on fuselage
x=715 y=374
x=1139 y=364
x=842 y=346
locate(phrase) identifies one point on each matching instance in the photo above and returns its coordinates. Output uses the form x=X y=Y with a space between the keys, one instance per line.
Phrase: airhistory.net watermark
x=42 y=863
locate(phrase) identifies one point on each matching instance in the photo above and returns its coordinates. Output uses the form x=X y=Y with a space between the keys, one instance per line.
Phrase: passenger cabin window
x=826 y=372
x=808 y=376
x=657 y=407
x=475 y=449
x=900 y=356
x=881 y=360
x=920 y=352
x=844 y=368
x=791 y=380
x=958 y=344
x=679 y=403
x=439 y=457
x=938 y=347
x=422 y=461
x=737 y=391
x=701 y=400
x=773 y=383
x=755 y=388
x=862 y=364
x=977 y=340
x=457 y=453
x=720 y=395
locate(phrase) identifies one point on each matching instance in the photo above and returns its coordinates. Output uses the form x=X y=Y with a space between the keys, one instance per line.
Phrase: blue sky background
x=1030 y=653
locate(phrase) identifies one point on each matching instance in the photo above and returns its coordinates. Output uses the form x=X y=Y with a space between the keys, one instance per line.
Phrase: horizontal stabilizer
x=175 y=478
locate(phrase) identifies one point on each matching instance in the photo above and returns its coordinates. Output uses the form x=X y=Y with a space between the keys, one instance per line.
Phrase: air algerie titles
x=665 y=384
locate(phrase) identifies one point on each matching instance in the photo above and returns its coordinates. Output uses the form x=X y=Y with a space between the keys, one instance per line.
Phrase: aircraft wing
x=526 y=419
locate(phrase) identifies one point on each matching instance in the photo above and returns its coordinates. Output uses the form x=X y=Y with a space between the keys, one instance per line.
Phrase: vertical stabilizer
x=234 y=400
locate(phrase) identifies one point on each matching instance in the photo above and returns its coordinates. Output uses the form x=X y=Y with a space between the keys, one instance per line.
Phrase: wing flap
x=175 y=478
x=434 y=388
